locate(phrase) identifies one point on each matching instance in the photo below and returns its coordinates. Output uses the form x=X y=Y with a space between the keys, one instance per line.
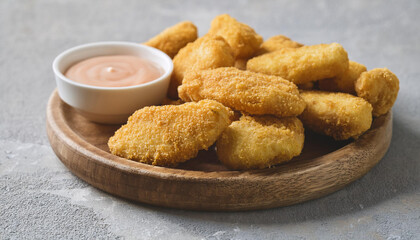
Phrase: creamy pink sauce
x=114 y=71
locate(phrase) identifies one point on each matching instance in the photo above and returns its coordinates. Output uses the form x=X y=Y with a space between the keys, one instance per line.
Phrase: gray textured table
x=40 y=198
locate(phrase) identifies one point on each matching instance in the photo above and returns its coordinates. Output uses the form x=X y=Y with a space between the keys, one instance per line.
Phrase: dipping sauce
x=114 y=71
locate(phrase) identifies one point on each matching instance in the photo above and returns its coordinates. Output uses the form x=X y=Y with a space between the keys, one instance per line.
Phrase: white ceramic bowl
x=111 y=104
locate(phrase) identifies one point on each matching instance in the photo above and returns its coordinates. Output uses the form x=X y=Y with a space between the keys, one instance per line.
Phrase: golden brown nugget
x=304 y=64
x=276 y=43
x=344 y=82
x=240 y=63
x=380 y=88
x=241 y=37
x=260 y=142
x=167 y=135
x=246 y=91
x=205 y=53
x=339 y=115
x=172 y=39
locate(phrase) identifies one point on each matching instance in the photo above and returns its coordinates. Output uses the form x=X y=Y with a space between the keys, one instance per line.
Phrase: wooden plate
x=203 y=183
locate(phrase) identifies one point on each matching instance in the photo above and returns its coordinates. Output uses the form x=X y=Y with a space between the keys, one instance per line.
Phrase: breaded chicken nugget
x=167 y=135
x=380 y=88
x=172 y=39
x=339 y=115
x=250 y=92
x=304 y=64
x=241 y=37
x=260 y=142
x=276 y=43
x=344 y=82
x=205 y=53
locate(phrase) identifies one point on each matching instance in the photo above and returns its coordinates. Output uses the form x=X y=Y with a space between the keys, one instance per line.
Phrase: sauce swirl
x=114 y=71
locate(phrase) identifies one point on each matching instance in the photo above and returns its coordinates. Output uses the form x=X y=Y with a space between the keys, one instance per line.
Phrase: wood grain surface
x=203 y=183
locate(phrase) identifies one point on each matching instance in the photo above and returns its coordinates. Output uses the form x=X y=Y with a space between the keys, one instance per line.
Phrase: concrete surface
x=41 y=199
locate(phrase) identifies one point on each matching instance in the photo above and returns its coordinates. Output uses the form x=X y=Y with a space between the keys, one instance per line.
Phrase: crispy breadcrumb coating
x=246 y=91
x=241 y=37
x=304 y=64
x=344 y=82
x=339 y=115
x=380 y=88
x=172 y=39
x=260 y=141
x=205 y=53
x=276 y=43
x=167 y=135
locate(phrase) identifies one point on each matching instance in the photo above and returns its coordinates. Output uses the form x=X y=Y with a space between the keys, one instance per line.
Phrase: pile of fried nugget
x=252 y=98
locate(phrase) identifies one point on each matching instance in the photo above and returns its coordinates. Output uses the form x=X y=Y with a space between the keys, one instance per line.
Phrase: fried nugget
x=304 y=64
x=260 y=142
x=241 y=37
x=339 y=115
x=205 y=53
x=172 y=39
x=344 y=82
x=276 y=43
x=380 y=88
x=246 y=91
x=167 y=135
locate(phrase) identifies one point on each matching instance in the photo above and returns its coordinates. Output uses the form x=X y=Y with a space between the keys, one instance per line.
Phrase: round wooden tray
x=203 y=183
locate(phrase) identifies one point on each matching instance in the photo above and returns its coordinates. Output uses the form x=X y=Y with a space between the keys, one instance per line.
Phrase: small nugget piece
x=339 y=115
x=240 y=63
x=276 y=43
x=380 y=88
x=172 y=39
x=344 y=82
x=241 y=37
x=304 y=64
x=246 y=91
x=260 y=142
x=205 y=53
x=167 y=135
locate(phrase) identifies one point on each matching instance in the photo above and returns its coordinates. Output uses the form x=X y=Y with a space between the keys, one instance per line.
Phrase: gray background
x=40 y=198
